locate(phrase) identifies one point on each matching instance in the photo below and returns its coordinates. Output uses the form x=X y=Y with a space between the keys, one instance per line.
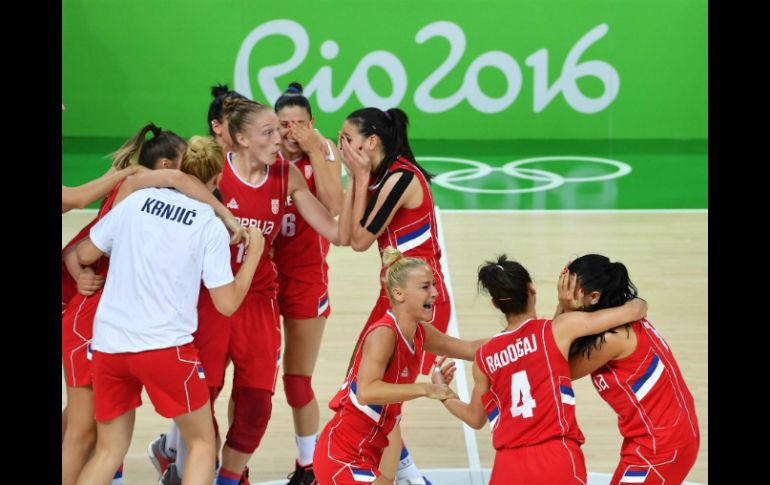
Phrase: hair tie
x=502 y=299
x=293 y=89
x=387 y=115
x=500 y=267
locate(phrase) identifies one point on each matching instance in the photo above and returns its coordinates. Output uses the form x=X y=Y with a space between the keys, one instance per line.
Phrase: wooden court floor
x=667 y=258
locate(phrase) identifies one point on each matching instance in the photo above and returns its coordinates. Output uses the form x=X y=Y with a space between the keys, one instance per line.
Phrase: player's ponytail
x=507 y=282
x=391 y=128
x=220 y=92
x=163 y=144
x=597 y=273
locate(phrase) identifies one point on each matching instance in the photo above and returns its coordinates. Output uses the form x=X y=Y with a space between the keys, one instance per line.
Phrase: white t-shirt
x=161 y=244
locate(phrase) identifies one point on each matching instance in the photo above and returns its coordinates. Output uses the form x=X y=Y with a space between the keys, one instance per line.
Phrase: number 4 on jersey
x=522 y=402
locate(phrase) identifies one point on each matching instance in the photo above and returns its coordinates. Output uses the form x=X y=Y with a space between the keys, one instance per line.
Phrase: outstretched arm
x=439 y=343
x=473 y=413
x=311 y=209
x=83 y=195
x=188 y=185
x=377 y=353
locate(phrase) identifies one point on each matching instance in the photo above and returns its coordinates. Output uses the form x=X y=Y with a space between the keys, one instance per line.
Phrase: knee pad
x=298 y=390
x=252 y=412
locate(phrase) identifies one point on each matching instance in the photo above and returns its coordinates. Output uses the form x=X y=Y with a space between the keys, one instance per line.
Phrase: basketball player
x=634 y=370
x=300 y=258
x=522 y=377
x=161 y=243
x=385 y=367
x=389 y=201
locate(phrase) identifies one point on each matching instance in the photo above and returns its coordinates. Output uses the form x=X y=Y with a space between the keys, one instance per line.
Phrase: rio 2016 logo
x=320 y=85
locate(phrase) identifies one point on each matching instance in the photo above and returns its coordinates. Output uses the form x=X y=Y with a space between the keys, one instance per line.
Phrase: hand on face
x=570 y=296
x=356 y=161
x=308 y=139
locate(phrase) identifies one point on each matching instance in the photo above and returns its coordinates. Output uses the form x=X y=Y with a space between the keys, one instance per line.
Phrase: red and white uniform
x=78 y=314
x=161 y=244
x=531 y=407
x=69 y=287
x=656 y=412
x=300 y=256
x=251 y=337
x=415 y=234
x=351 y=445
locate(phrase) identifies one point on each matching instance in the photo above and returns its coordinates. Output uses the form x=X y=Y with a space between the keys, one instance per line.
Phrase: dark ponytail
x=597 y=273
x=220 y=92
x=507 y=282
x=163 y=144
x=391 y=128
x=293 y=97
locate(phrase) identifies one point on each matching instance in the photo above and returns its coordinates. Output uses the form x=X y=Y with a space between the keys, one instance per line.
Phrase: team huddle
x=210 y=252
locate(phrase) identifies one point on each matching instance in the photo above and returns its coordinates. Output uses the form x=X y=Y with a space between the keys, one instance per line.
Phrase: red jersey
x=259 y=205
x=379 y=419
x=530 y=399
x=69 y=287
x=654 y=406
x=300 y=252
x=414 y=231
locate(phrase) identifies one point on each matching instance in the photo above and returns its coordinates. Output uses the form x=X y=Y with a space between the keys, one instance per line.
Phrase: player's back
x=647 y=391
x=530 y=399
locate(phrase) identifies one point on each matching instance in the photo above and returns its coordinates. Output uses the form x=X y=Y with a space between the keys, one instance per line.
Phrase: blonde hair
x=203 y=158
x=398 y=268
x=240 y=112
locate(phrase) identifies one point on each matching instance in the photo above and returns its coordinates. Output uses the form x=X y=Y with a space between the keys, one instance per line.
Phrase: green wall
x=554 y=69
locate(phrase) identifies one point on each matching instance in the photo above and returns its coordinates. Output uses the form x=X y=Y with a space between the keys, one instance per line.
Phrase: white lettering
x=320 y=84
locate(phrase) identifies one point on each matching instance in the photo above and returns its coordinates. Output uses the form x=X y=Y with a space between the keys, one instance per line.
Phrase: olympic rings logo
x=516 y=168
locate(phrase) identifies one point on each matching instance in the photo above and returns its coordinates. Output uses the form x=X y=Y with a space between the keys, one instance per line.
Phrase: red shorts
x=173 y=377
x=299 y=300
x=342 y=457
x=558 y=460
x=251 y=338
x=77 y=328
x=441 y=313
x=639 y=465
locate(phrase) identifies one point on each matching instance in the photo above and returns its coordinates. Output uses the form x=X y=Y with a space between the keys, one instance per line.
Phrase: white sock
x=172 y=436
x=306 y=448
x=406 y=467
x=181 y=453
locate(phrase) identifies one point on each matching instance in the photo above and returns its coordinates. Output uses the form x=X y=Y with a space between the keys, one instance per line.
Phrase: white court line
x=471 y=446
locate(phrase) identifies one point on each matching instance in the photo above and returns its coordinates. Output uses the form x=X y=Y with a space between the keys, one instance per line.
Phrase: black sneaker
x=302 y=475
